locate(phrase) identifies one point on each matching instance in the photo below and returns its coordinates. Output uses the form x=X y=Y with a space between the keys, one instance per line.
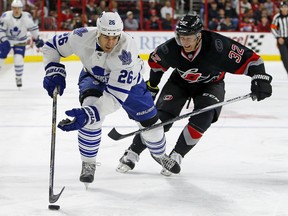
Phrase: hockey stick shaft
x=53 y=197
x=115 y=135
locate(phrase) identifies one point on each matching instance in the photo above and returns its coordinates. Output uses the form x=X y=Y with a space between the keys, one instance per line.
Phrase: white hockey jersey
x=16 y=29
x=120 y=69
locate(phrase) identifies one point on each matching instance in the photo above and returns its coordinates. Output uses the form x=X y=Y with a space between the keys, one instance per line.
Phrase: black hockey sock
x=137 y=145
x=181 y=147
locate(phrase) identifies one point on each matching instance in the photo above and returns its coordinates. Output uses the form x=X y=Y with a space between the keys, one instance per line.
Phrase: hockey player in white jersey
x=14 y=26
x=111 y=77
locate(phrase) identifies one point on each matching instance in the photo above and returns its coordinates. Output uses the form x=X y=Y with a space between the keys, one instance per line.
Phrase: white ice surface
x=239 y=168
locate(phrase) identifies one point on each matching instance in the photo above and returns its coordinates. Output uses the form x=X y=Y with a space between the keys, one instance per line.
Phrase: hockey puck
x=54 y=207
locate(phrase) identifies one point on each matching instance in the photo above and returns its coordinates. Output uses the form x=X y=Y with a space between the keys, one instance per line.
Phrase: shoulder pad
x=169 y=45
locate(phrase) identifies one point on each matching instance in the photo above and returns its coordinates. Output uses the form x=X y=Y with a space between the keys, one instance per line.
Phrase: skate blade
x=86 y=185
x=122 y=168
x=166 y=172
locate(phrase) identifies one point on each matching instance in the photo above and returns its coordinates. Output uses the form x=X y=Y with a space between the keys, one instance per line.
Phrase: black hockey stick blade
x=115 y=135
x=54 y=197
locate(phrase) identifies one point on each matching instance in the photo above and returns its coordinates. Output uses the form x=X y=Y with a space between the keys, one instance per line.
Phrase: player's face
x=189 y=42
x=107 y=43
x=17 y=11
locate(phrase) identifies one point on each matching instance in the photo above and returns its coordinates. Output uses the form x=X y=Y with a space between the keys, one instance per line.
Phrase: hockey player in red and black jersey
x=200 y=59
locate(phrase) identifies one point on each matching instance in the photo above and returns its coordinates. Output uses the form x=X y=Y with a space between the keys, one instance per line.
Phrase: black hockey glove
x=153 y=90
x=261 y=86
x=39 y=43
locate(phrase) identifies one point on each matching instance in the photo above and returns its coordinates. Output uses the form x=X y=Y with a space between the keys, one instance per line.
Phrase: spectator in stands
x=269 y=5
x=244 y=6
x=66 y=18
x=130 y=23
x=221 y=15
x=136 y=10
x=249 y=13
x=226 y=25
x=113 y=6
x=102 y=7
x=246 y=25
x=202 y=9
x=153 y=23
x=255 y=5
x=35 y=9
x=152 y=9
x=221 y=3
x=258 y=13
x=231 y=13
x=264 y=25
x=77 y=22
x=213 y=16
x=264 y=12
x=167 y=22
x=50 y=22
x=235 y=5
x=93 y=20
x=166 y=9
x=91 y=8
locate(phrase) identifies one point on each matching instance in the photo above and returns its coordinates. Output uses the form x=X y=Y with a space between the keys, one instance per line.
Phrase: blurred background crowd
x=220 y=15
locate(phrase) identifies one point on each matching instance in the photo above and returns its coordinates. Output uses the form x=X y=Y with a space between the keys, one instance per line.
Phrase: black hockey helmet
x=189 y=24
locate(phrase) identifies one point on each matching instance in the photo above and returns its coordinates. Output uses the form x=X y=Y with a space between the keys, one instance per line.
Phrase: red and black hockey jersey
x=216 y=55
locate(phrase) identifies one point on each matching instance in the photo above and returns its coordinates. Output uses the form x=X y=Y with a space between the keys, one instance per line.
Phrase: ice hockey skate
x=19 y=82
x=168 y=163
x=127 y=161
x=175 y=156
x=87 y=173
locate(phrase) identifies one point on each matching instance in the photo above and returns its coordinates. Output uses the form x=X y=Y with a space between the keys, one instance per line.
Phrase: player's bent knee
x=153 y=135
x=165 y=116
x=202 y=121
x=18 y=60
x=150 y=121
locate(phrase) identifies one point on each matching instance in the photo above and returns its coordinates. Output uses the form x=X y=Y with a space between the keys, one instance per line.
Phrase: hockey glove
x=86 y=115
x=4 y=49
x=55 y=77
x=153 y=90
x=39 y=42
x=261 y=86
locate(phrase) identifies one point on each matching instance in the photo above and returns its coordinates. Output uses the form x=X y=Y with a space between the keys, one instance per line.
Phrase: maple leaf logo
x=125 y=57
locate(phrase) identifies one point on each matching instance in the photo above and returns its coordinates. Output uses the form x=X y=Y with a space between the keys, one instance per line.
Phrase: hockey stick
x=115 y=135
x=53 y=197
